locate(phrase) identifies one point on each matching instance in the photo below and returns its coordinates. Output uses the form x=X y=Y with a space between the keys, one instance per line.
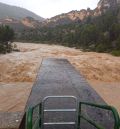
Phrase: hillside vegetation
x=100 y=34
x=6 y=37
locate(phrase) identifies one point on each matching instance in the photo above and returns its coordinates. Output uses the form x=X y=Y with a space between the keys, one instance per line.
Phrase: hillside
x=100 y=33
x=81 y=15
x=91 y=30
x=7 y=11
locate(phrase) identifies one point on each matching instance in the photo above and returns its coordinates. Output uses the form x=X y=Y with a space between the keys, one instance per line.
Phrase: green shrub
x=116 y=52
x=6 y=38
x=100 y=48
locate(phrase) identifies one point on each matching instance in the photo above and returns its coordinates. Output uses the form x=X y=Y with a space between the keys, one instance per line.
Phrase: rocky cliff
x=103 y=5
x=78 y=16
x=70 y=17
x=65 y=18
x=30 y=22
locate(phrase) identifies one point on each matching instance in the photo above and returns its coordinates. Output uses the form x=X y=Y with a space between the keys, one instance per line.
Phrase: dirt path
x=18 y=72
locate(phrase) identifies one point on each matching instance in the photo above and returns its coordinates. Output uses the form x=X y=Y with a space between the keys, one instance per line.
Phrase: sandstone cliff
x=77 y=16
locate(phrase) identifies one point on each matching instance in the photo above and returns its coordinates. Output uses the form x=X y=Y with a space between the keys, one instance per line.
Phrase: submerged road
x=57 y=77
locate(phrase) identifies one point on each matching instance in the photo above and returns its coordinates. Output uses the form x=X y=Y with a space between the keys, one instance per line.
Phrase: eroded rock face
x=65 y=18
x=105 y=4
x=74 y=16
x=30 y=22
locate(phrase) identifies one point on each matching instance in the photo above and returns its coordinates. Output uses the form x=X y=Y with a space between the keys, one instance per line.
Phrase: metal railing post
x=29 y=115
x=79 y=118
x=40 y=115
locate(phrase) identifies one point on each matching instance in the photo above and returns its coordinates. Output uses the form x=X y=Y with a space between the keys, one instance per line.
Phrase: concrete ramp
x=58 y=77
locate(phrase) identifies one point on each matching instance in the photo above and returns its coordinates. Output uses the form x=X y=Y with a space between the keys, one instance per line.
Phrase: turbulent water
x=18 y=71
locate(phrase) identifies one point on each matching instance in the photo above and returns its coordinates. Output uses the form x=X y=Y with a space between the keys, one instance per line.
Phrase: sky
x=50 y=8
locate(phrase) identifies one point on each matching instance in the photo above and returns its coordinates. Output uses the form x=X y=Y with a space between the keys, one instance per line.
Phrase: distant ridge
x=8 y=11
x=79 y=16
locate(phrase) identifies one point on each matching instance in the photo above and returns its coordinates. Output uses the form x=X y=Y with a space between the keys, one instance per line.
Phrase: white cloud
x=49 y=8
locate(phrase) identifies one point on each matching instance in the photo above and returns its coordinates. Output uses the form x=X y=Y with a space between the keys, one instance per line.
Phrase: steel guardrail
x=39 y=123
x=104 y=107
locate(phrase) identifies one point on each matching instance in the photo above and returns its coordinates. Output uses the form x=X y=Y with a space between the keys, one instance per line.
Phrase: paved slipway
x=59 y=77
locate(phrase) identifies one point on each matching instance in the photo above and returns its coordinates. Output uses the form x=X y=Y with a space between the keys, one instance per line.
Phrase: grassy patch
x=116 y=52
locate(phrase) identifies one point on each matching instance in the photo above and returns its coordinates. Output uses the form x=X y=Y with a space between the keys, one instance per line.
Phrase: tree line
x=100 y=34
x=6 y=38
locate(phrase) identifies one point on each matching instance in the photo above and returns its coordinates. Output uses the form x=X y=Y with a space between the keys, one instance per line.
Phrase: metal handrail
x=60 y=123
x=59 y=110
x=105 y=107
x=66 y=96
x=39 y=122
x=29 y=117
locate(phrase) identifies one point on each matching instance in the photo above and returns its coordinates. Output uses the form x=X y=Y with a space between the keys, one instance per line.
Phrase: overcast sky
x=50 y=8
